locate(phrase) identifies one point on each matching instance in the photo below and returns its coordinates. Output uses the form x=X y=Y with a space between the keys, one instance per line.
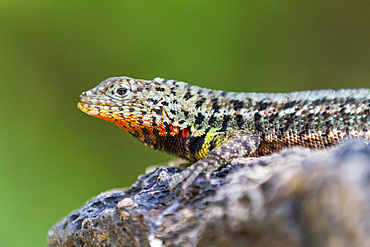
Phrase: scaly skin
x=210 y=127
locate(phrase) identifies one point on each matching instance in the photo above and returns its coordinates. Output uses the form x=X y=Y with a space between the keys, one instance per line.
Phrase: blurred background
x=53 y=157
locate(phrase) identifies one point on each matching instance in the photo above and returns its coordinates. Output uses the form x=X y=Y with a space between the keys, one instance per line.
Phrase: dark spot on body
x=263 y=105
x=212 y=120
x=167 y=126
x=215 y=104
x=310 y=116
x=257 y=122
x=154 y=101
x=168 y=130
x=320 y=101
x=351 y=101
x=306 y=128
x=131 y=109
x=325 y=114
x=225 y=122
x=199 y=118
x=200 y=102
x=188 y=95
x=153 y=122
x=157 y=111
x=289 y=104
x=240 y=120
x=212 y=144
x=195 y=145
x=215 y=107
x=327 y=144
x=263 y=137
x=237 y=104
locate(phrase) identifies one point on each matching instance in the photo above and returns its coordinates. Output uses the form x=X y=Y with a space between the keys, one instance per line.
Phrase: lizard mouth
x=93 y=101
x=93 y=104
x=89 y=108
x=87 y=104
x=100 y=109
x=96 y=108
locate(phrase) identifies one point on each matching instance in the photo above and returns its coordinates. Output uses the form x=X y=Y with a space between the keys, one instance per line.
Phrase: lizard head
x=144 y=109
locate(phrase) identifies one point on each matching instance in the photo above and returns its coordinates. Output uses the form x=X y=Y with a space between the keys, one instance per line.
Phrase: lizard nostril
x=87 y=93
x=82 y=96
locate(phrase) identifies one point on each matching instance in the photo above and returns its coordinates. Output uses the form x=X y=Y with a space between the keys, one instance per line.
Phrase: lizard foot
x=187 y=177
x=239 y=144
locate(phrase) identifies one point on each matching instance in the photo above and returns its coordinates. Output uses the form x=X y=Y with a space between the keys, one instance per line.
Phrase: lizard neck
x=164 y=137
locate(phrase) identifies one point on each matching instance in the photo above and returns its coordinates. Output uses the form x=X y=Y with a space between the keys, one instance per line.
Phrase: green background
x=53 y=157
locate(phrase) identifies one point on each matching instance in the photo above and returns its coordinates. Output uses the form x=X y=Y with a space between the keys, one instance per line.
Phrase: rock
x=298 y=197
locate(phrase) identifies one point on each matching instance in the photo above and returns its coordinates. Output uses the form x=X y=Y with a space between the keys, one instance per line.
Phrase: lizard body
x=210 y=127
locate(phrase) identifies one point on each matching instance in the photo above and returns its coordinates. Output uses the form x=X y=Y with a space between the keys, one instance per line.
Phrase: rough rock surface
x=296 y=198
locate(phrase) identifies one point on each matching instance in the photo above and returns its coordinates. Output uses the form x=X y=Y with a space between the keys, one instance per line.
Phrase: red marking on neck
x=185 y=132
x=172 y=130
x=123 y=124
x=130 y=125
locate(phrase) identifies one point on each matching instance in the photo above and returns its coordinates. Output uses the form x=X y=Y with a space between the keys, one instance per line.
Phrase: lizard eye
x=120 y=91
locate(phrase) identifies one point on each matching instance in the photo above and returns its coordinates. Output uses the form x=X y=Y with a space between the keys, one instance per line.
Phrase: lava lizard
x=211 y=127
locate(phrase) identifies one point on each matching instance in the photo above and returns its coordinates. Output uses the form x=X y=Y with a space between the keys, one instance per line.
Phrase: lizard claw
x=209 y=172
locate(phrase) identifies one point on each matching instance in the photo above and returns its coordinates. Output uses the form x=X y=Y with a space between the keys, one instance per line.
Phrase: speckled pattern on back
x=212 y=126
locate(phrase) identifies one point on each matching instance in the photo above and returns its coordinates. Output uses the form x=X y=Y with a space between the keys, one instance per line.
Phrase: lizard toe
x=210 y=170
x=187 y=177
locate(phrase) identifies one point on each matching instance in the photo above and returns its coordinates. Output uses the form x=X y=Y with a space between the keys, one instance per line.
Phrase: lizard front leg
x=240 y=143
